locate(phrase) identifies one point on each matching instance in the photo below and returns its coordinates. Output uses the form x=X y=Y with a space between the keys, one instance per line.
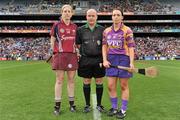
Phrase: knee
x=59 y=77
x=124 y=87
x=87 y=82
x=111 y=87
x=71 y=81
x=59 y=81
x=99 y=82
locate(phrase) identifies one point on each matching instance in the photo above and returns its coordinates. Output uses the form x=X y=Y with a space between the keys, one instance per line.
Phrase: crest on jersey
x=109 y=37
x=98 y=42
x=73 y=31
x=62 y=30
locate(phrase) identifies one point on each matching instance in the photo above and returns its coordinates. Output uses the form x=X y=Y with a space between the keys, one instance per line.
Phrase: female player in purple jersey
x=118 y=49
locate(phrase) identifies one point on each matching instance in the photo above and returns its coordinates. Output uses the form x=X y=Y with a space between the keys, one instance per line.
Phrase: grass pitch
x=27 y=93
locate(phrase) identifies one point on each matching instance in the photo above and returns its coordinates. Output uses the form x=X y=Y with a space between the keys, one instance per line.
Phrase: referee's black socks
x=87 y=91
x=99 y=92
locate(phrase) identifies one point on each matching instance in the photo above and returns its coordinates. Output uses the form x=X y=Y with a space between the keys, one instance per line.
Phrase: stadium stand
x=103 y=6
x=157 y=48
x=25 y=26
x=24 y=48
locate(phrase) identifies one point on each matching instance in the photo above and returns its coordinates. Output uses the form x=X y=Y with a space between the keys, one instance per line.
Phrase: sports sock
x=114 y=102
x=57 y=102
x=71 y=101
x=124 y=104
x=99 y=92
x=87 y=90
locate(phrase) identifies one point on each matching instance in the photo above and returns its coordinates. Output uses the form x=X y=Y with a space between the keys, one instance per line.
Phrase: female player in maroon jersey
x=63 y=35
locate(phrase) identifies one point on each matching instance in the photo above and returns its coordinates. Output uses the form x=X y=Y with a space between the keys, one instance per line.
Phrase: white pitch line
x=96 y=113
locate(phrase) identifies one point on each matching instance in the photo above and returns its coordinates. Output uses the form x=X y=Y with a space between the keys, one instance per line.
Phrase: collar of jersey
x=87 y=26
x=120 y=27
x=61 y=21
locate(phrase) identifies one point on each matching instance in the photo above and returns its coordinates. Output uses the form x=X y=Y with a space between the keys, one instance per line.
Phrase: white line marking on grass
x=96 y=113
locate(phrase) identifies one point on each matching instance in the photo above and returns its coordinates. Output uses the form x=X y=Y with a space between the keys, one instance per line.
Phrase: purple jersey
x=118 y=41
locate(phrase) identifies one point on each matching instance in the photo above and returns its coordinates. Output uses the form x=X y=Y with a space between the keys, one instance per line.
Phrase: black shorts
x=89 y=67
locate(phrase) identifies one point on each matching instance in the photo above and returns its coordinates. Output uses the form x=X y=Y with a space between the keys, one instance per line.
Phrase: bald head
x=91 y=16
x=91 y=11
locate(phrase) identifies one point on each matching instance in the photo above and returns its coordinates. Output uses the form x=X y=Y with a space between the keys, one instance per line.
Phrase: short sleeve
x=52 y=33
x=130 y=38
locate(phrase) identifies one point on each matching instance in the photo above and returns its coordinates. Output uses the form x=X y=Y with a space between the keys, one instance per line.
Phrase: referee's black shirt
x=90 y=40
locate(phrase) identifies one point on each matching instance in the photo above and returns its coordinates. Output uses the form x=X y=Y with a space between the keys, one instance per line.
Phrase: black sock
x=99 y=92
x=57 y=105
x=71 y=101
x=87 y=90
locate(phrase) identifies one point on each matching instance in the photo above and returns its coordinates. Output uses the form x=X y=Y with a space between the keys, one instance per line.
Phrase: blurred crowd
x=135 y=28
x=157 y=47
x=139 y=6
x=155 y=28
x=12 y=27
x=80 y=6
x=24 y=48
x=38 y=48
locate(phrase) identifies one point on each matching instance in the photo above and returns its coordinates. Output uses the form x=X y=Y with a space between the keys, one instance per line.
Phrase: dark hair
x=121 y=10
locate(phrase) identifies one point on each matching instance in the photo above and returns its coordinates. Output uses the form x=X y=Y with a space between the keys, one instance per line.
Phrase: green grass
x=27 y=93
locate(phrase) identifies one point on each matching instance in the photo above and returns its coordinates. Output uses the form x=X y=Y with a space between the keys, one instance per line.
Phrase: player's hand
x=106 y=64
x=51 y=51
x=131 y=67
x=78 y=53
x=78 y=56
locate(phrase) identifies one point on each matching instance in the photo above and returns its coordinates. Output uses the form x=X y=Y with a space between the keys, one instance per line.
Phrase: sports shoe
x=112 y=112
x=121 y=114
x=87 y=109
x=56 y=110
x=72 y=108
x=100 y=108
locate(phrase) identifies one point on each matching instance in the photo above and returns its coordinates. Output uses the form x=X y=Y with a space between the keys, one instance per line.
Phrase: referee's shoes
x=100 y=108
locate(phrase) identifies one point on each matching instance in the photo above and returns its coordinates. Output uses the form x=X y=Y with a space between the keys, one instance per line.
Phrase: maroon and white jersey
x=65 y=37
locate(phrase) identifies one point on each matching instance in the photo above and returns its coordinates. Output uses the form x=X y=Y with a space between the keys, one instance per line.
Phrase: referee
x=89 y=41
